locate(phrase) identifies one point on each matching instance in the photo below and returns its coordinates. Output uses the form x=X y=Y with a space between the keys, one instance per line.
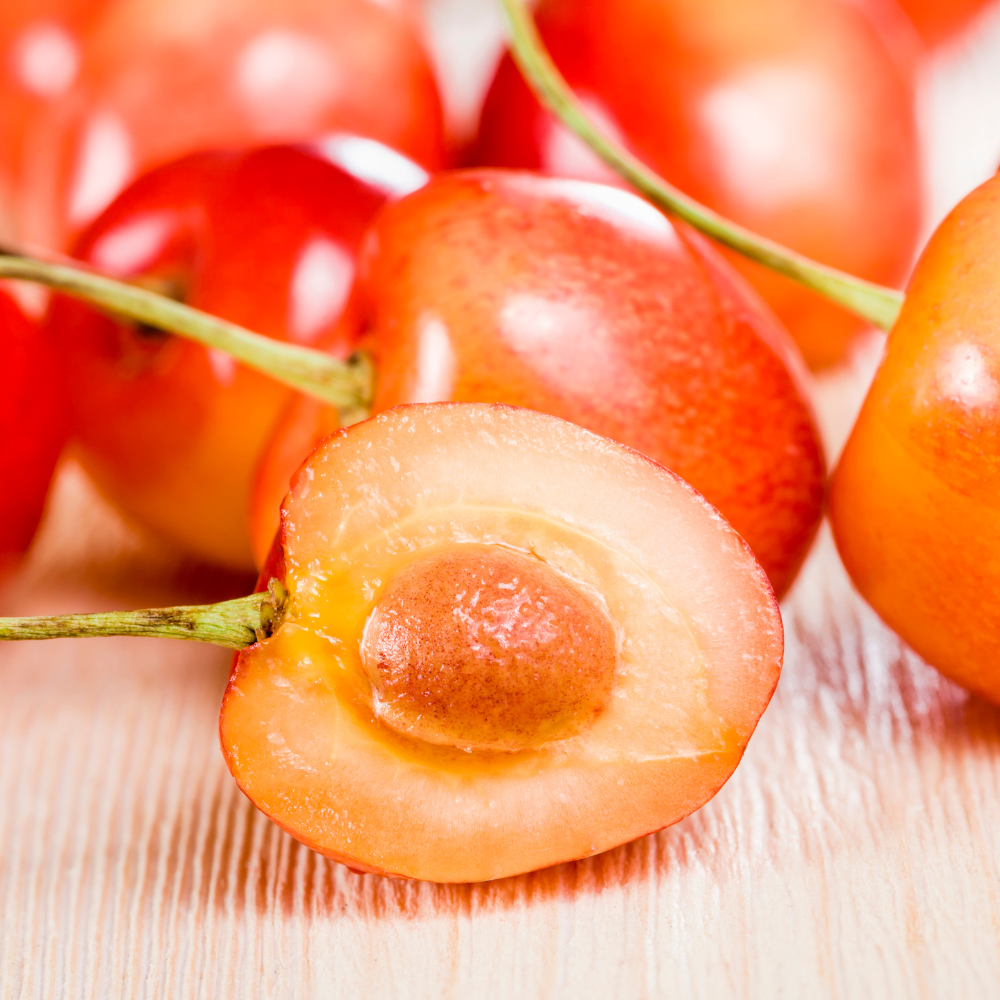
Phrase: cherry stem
x=345 y=384
x=875 y=303
x=234 y=624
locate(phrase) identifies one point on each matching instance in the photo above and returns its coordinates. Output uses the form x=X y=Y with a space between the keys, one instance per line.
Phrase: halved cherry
x=508 y=642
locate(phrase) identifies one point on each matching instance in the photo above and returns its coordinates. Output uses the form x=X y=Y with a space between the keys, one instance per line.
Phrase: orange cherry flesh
x=915 y=504
x=33 y=427
x=161 y=79
x=605 y=540
x=582 y=301
x=791 y=117
x=169 y=430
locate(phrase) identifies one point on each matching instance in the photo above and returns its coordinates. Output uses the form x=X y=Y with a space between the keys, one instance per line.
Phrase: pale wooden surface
x=855 y=853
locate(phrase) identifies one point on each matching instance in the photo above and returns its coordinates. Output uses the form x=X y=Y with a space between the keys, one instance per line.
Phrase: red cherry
x=788 y=116
x=160 y=79
x=583 y=301
x=169 y=430
x=936 y=20
x=32 y=427
x=40 y=56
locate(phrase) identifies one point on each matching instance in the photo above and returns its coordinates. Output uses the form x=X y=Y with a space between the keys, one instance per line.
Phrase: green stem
x=875 y=303
x=345 y=384
x=234 y=624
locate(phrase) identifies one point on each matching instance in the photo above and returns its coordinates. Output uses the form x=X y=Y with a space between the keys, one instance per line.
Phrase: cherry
x=169 y=430
x=160 y=79
x=936 y=20
x=626 y=643
x=915 y=505
x=33 y=427
x=582 y=301
x=40 y=55
x=788 y=116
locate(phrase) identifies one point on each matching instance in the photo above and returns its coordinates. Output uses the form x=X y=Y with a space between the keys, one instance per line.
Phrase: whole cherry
x=161 y=79
x=915 y=501
x=170 y=430
x=582 y=301
x=40 y=56
x=791 y=117
x=937 y=20
x=33 y=427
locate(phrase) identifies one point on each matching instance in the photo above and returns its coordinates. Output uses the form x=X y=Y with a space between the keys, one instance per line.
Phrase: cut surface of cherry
x=161 y=79
x=915 y=502
x=170 y=430
x=583 y=301
x=508 y=642
x=33 y=427
x=790 y=117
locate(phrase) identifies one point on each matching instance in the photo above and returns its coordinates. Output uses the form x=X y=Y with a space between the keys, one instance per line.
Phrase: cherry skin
x=788 y=116
x=508 y=642
x=33 y=427
x=169 y=430
x=160 y=79
x=583 y=301
x=915 y=502
x=937 y=20
x=40 y=56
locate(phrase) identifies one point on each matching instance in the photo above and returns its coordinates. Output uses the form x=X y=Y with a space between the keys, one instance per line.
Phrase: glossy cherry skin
x=915 y=502
x=40 y=56
x=160 y=79
x=791 y=117
x=582 y=301
x=171 y=431
x=33 y=427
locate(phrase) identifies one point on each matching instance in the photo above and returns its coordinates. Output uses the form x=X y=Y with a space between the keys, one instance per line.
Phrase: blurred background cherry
x=32 y=427
x=154 y=80
x=793 y=117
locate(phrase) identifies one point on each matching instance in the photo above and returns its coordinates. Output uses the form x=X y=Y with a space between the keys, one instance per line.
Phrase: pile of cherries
x=503 y=636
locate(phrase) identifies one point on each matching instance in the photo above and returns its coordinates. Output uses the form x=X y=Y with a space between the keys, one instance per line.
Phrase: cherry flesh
x=161 y=79
x=791 y=117
x=648 y=624
x=582 y=301
x=169 y=430
x=33 y=427
x=915 y=502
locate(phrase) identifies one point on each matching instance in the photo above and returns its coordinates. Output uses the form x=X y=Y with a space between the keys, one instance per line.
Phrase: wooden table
x=855 y=853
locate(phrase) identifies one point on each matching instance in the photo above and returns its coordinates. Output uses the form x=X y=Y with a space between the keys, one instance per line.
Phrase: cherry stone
x=484 y=648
